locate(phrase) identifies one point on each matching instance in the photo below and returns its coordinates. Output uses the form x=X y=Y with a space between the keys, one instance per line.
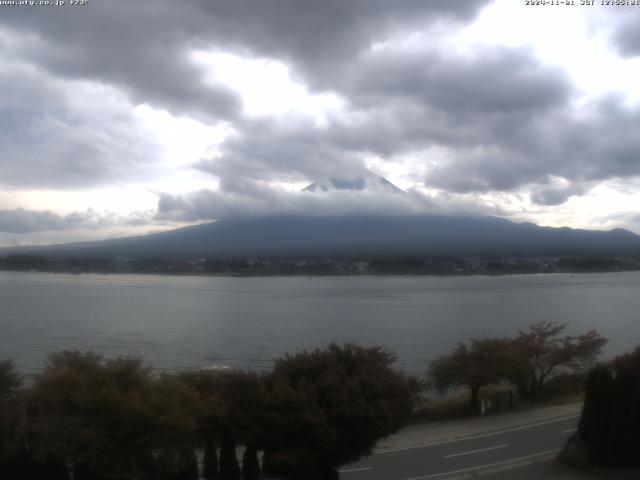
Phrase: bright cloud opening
x=266 y=86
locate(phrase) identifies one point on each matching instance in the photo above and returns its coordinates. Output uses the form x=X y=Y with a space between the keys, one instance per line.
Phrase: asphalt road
x=492 y=453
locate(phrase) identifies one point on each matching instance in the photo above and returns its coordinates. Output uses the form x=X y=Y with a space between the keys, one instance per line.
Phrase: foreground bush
x=89 y=418
x=330 y=407
x=110 y=418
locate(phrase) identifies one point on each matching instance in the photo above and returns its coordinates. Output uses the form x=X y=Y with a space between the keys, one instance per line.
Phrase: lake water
x=189 y=322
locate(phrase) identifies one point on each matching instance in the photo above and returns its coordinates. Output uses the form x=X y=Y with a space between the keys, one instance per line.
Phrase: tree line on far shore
x=114 y=419
x=323 y=265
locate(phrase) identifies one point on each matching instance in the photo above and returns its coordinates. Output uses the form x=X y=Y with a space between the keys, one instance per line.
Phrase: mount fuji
x=368 y=181
x=287 y=236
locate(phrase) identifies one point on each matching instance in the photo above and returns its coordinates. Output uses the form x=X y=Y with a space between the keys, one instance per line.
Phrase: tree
x=250 y=464
x=210 y=470
x=541 y=350
x=475 y=366
x=625 y=418
x=187 y=465
x=173 y=409
x=595 y=420
x=109 y=418
x=10 y=383
x=229 y=468
x=330 y=407
x=609 y=428
x=232 y=406
x=23 y=262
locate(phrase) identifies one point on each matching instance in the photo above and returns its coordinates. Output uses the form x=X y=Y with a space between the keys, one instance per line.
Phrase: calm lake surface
x=189 y=322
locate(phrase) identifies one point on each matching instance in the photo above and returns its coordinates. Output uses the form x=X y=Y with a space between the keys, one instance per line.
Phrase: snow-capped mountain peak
x=368 y=181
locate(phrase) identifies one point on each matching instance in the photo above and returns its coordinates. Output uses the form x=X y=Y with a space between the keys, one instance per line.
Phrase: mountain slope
x=354 y=235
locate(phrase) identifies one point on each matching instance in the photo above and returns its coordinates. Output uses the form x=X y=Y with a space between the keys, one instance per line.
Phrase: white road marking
x=475 y=451
x=362 y=469
x=480 y=467
x=569 y=430
x=473 y=437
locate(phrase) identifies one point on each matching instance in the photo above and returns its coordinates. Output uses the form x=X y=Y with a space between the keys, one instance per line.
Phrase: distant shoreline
x=321 y=266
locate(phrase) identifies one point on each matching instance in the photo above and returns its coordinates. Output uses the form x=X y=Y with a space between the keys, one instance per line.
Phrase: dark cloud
x=259 y=200
x=488 y=81
x=322 y=39
x=21 y=221
x=143 y=50
x=24 y=221
x=400 y=103
x=504 y=119
x=627 y=36
x=505 y=152
x=597 y=144
x=485 y=169
x=57 y=134
x=293 y=150
x=554 y=195
x=143 y=47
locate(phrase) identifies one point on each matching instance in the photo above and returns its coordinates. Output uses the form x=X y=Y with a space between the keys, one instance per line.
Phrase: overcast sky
x=124 y=117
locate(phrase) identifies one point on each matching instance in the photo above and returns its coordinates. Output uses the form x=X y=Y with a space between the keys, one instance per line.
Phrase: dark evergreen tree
x=269 y=469
x=594 y=426
x=55 y=468
x=210 y=470
x=250 y=463
x=148 y=466
x=229 y=468
x=625 y=419
x=187 y=465
x=16 y=465
x=84 y=471
x=10 y=383
x=610 y=421
x=165 y=466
